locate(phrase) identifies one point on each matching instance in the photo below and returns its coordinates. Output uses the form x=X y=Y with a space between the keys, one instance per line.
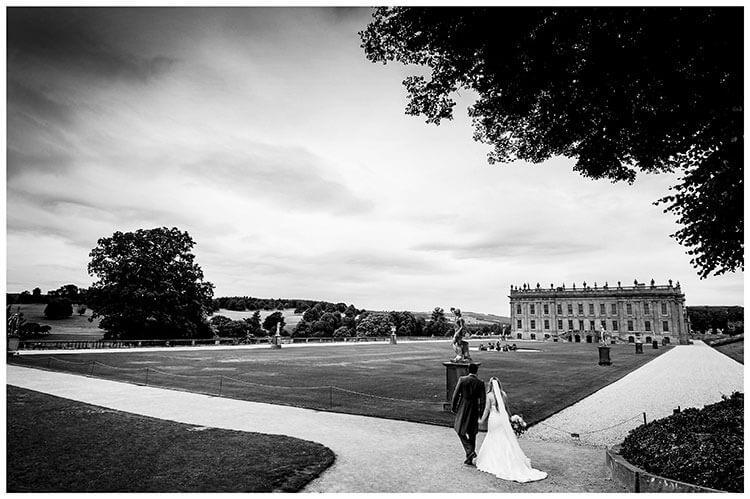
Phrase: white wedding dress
x=500 y=453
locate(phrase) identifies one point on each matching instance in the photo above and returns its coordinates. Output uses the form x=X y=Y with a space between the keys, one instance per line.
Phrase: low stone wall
x=634 y=479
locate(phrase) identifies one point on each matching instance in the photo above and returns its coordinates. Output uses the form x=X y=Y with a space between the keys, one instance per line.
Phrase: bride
x=500 y=453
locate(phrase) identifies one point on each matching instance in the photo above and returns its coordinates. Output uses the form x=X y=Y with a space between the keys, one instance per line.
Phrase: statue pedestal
x=453 y=371
x=604 y=356
x=276 y=342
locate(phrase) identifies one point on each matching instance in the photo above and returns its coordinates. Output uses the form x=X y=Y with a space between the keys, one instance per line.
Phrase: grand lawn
x=404 y=381
x=59 y=445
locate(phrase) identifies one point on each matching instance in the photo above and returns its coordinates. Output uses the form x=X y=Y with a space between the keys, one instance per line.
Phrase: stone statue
x=460 y=345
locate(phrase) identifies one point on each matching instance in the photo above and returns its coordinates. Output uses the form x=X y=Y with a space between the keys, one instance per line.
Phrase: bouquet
x=518 y=424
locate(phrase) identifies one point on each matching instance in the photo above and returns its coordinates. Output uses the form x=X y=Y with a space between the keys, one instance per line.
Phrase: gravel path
x=372 y=455
x=686 y=376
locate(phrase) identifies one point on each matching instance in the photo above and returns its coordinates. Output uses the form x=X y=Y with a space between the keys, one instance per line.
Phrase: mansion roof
x=639 y=289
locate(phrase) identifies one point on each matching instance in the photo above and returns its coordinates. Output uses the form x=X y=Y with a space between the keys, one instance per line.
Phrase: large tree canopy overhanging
x=149 y=286
x=621 y=90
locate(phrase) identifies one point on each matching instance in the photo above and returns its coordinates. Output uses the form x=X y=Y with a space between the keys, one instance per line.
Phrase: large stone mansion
x=624 y=313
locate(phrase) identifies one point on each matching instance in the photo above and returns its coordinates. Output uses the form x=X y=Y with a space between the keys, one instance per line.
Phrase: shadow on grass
x=60 y=445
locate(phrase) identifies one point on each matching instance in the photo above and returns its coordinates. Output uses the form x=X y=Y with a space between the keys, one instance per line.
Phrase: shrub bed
x=699 y=446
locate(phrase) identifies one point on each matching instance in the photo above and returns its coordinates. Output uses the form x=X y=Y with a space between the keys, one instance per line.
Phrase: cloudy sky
x=268 y=136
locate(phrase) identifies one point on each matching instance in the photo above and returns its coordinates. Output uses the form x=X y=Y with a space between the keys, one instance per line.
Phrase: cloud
x=35 y=103
x=511 y=245
x=290 y=177
x=74 y=39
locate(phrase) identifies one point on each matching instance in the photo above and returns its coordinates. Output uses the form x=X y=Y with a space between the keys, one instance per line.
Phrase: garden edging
x=636 y=479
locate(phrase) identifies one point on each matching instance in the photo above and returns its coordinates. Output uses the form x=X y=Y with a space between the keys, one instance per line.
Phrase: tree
x=405 y=322
x=302 y=330
x=620 y=89
x=58 y=308
x=351 y=311
x=438 y=325
x=253 y=324
x=14 y=321
x=149 y=286
x=313 y=313
x=218 y=322
x=342 y=332
x=33 y=330
x=374 y=325
x=24 y=297
x=269 y=323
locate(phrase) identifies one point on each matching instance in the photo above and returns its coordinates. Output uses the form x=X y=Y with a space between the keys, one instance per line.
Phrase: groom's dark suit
x=468 y=405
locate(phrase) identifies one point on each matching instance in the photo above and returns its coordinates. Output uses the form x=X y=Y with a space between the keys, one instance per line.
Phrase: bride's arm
x=487 y=405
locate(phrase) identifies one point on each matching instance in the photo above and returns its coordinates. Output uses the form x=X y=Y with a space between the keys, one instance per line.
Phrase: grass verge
x=735 y=350
x=60 y=445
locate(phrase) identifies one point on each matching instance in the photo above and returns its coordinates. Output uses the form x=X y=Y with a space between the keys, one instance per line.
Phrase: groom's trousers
x=469 y=441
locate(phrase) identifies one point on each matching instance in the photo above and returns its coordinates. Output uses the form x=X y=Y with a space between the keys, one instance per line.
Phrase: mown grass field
x=59 y=445
x=404 y=381
x=76 y=327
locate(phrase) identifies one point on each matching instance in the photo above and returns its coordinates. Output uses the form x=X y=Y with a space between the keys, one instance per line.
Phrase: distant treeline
x=327 y=319
x=712 y=318
x=69 y=292
x=242 y=303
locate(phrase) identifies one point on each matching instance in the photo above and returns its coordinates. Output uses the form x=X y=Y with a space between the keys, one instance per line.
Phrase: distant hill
x=470 y=317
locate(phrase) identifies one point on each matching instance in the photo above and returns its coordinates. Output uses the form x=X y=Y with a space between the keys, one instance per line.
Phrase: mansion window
x=602 y=309
x=518 y=309
x=614 y=325
x=559 y=324
x=546 y=309
x=630 y=325
x=591 y=309
x=647 y=325
x=646 y=309
x=663 y=309
x=559 y=309
x=546 y=323
x=604 y=325
x=531 y=309
x=580 y=309
x=614 y=309
x=665 y=326
x=518 y=324
x=570 y=309
x=570 y=325
x=580 y=325
x=629 y=308
x=591 y=326
x=533 y=324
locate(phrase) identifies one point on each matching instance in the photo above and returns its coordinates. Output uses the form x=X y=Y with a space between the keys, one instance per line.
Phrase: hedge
x=699 y=446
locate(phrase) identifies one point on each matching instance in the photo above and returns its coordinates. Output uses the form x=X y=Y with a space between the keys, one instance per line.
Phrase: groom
x=468 y=405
